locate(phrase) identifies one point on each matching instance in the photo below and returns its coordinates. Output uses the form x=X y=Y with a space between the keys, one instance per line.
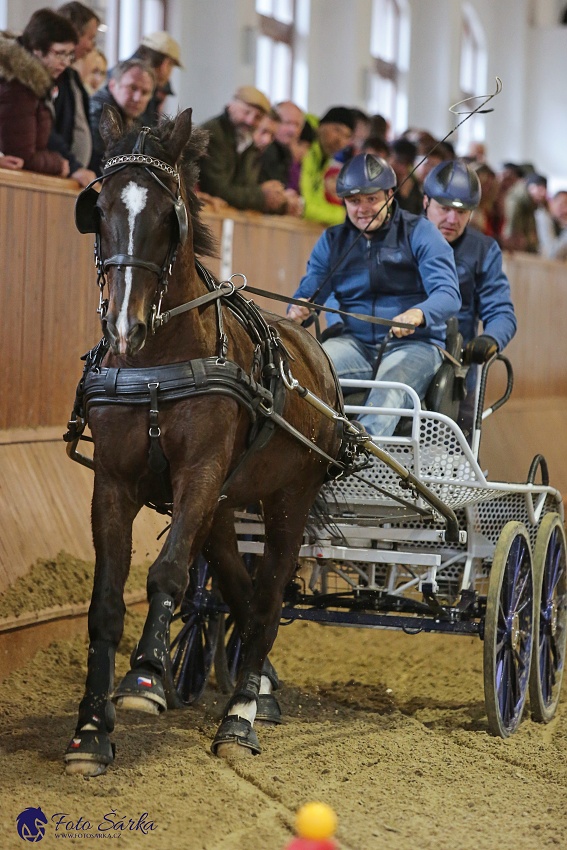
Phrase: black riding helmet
x=364 y=174
x=453 y=184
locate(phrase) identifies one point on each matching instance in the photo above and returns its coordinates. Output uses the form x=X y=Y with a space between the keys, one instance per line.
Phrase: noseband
x=87 y=221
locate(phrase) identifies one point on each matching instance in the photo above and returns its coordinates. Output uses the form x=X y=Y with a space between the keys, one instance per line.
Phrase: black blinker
x=86 y=213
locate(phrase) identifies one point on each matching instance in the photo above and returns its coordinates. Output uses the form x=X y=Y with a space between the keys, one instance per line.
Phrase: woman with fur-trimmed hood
x=29 y=66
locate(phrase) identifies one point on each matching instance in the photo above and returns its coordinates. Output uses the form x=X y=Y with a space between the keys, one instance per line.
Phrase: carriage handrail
x=481 y=414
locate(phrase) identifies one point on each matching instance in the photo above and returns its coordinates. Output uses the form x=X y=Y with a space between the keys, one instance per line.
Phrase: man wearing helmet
x=387 y=263
x=451 y=192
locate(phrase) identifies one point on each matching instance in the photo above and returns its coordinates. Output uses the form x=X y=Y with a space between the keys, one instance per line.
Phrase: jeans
x=409 y=362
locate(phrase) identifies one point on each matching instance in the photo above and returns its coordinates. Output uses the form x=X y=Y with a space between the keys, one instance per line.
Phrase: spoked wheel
x=550 y=622
x=508 y=630
x=194 y=633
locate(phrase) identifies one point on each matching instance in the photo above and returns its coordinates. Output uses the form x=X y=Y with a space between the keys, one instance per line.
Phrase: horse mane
x=204 y=243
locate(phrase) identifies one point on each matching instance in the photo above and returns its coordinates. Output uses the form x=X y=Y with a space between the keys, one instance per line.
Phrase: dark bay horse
x=179 y=401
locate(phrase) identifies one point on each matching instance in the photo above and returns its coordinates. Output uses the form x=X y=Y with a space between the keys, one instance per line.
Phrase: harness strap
x=130 y=260
x=374 y=320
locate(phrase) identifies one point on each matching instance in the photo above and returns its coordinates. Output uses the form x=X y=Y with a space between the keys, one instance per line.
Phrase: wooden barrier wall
x=49 y=298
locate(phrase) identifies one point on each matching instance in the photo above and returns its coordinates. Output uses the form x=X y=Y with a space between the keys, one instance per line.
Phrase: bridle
x=88 y=221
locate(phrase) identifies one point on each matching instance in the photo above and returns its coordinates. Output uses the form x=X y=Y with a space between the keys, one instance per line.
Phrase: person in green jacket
x=334 y=132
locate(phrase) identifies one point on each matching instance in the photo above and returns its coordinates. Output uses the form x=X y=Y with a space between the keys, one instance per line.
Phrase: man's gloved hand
x=336 y=329
x=480 y=349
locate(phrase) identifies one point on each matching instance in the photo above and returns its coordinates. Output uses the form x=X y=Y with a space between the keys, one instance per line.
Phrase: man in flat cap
x=229 y=170
x=162 y=53
x=333 y=133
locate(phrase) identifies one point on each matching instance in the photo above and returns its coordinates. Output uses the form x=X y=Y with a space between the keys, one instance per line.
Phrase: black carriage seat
x=446 y=390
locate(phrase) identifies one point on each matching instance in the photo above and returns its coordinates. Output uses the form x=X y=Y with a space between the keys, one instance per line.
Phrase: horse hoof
x=85 y=768
x=269 y=712
x=89 y=753
x=134 y=703
x=236 y=733
x=233 y=752
x=140 y=691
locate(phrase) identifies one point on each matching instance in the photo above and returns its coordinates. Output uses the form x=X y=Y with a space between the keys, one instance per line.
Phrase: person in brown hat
x=229 y=170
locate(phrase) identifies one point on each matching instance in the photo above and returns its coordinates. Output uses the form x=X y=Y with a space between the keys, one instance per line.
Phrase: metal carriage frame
x=376 y=554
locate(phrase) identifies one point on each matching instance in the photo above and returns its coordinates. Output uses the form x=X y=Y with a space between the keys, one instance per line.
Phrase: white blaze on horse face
x=134 y=198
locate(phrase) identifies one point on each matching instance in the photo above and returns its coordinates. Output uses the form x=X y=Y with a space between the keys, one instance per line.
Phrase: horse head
x=141 y=221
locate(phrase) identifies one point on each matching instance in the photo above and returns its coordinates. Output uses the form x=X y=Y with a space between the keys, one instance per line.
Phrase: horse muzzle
x=124 y=340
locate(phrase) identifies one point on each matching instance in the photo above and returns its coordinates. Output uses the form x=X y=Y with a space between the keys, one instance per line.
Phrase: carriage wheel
x=193 y=646
x=508 y=630
x=550 y=623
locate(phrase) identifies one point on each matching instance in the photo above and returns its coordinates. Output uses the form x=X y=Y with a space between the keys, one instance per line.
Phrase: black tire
x=508 y=630
x=193 y=646
x=550 y=623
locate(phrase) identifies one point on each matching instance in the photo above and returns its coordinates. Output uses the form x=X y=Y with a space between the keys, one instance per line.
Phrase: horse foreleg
x=285 y=515
x=145 y=686
x=90 y=750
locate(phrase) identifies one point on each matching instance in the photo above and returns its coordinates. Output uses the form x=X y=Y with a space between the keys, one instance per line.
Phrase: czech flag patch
x=145 y=682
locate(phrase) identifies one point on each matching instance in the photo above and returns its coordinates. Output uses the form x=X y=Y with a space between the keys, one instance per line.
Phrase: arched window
x=389 y=49
x=472 y=76
x=274 y=48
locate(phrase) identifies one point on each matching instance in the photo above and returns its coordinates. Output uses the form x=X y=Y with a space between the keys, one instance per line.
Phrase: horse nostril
x=137 y=336
x=108 y=330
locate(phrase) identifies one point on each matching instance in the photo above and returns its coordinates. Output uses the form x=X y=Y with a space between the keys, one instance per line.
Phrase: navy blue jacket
x=406 y=263
x=485 y=290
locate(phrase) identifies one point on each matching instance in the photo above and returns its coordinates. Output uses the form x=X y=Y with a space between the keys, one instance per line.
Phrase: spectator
x=507 y=177
x=378 y=146
x=551 y=227
x=359 y=135
x=333 y=133
x=379 y=126
x=129 y=90
x=389 y=263
x=265 y=132
x=452 y=191
x=263 y=137
x=13 y=163
x=276 y=160
x=29 y=66
x=162 y=53
x=92 y=70
x=519 y=232
x=484 y=217
x=402 y=158
x=299 y=150
x=229 y=169
x=71 y=134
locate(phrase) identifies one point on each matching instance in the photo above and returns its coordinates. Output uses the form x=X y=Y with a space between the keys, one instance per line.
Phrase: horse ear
x=181 y=134
x=110 y=126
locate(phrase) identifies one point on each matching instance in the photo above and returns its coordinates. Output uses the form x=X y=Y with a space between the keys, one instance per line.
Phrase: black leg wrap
x=247 y=692
x=150 y=657
x=96 y=708
x=154 y=643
